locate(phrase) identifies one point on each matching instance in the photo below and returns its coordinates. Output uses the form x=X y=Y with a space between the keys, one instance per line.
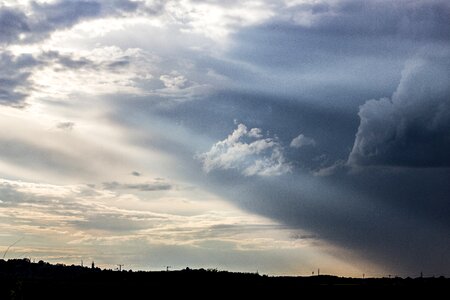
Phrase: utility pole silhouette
x=120 y=267
x=167 y=268
x=318 y=272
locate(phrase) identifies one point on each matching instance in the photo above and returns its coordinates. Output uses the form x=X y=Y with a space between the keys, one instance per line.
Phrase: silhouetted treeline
x=22 y=279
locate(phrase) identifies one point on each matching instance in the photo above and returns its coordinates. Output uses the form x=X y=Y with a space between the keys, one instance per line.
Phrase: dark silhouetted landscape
x=23 y=279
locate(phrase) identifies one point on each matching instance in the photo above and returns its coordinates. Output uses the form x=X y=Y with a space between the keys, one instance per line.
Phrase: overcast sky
x=278 y=136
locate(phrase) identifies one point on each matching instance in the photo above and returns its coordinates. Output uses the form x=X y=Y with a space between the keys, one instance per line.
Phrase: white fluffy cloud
x=247 y=151
x=301 y=141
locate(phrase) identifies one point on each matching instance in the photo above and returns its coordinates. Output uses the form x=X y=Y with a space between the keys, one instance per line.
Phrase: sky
x=261 y=136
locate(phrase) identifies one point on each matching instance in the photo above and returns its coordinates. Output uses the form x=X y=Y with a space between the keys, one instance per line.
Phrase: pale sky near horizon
x=272 y=136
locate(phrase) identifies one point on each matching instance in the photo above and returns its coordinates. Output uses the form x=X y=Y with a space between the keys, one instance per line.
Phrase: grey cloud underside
x=355 y=49
x=411 y=129
x=375 y=214
x=45 y=18
x=143 y=187
x=12 y=24
x=65 y=125
x=416 y=20
x=15 y=82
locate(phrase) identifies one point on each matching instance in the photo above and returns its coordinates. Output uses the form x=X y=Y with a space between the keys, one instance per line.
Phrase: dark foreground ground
x=21 y=279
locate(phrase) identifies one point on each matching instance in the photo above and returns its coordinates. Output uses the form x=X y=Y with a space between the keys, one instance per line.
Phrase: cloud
x=356 y=49
x=410 y=129
x=63 y=14
x=65 y=125
x=217 y=19
x=47 y=73
x=15 y=78
x=66 y=223
x=66 y=60
x=173 y=80
x=38 y=20
x=143 y=187
x=12 y=24
x=342 y=53
x=248 y=152
x=301 y=141
x=399 y=19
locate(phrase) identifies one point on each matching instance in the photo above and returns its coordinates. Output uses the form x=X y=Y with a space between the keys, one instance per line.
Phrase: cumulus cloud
x=301 y=141
x=411 y=128
x=247 y=151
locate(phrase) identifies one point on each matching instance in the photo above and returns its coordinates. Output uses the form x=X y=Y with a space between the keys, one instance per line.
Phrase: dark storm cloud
x=406 y=19
x=398 y=220
x=351 y=52
x=412 y=127
x=347 y=52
